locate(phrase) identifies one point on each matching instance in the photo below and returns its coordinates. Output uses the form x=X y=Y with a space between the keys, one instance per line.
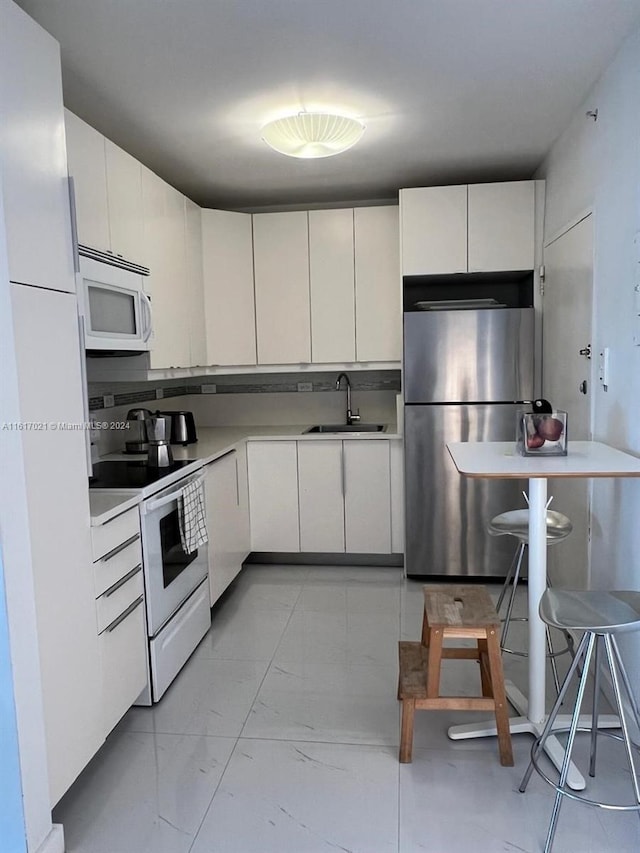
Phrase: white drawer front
x=123 y=651
x=110 y=569
x=115 y=600
x=108 y=536
x=170 y=649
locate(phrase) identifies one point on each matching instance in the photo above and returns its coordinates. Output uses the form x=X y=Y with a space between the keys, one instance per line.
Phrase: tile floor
x=281 y=736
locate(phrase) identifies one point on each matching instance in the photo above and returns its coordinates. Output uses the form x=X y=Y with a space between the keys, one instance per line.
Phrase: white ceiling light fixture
x=310 y=135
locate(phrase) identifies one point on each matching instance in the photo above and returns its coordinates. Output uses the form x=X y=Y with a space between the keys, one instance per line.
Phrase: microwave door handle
x=146 y=318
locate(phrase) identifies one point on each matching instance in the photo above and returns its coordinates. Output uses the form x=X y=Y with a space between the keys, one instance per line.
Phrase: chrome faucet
x=351 y=418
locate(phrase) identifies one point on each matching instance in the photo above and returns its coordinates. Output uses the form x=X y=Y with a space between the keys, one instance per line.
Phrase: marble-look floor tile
x=461 y=802
x=356 y=597
x=143 y=793
x=341 y=637
x=357 y=574
x=304 y=797
x=209 y=697
x=327 y=702
x=247 y=634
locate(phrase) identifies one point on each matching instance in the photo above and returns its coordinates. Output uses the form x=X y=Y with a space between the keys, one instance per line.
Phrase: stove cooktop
x=130 y=475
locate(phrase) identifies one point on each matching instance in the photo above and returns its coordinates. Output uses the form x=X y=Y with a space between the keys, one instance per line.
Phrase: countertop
x=213 y=442
x=105 y=504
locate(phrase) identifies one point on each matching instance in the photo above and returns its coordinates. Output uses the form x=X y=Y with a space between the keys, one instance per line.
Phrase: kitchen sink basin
x=346 y=428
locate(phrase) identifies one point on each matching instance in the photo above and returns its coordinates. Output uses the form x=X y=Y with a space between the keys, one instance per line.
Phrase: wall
x=596 y=165
x=12 y=830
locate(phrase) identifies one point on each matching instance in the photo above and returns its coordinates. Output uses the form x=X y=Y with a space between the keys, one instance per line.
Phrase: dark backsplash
x=133 y=393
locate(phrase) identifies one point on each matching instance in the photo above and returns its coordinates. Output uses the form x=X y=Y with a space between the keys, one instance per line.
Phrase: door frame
x=561 y=232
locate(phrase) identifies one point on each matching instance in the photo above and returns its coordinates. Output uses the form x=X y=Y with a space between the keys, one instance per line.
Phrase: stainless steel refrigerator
x=466 y=373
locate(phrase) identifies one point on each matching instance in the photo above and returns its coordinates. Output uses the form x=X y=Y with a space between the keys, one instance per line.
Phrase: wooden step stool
x=454 y=612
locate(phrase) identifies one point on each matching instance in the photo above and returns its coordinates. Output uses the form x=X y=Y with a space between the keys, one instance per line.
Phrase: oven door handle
x=150 y=506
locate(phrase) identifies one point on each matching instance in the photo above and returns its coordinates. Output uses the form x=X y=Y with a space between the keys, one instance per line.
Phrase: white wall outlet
x=208 y=389
x=305 y=386
x=108 y=401
x=159 y=393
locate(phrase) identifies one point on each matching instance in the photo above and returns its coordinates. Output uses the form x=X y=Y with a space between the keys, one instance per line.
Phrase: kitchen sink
x=346 y=428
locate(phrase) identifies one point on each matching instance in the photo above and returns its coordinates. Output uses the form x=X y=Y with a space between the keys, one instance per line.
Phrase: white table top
x=500 y=459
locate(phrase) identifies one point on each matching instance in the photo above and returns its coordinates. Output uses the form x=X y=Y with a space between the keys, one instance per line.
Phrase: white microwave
x=115 y=308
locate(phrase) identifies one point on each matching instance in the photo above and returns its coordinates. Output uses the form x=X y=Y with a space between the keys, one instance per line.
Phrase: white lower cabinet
x=323 y=496
x=396 y=451
x=121 y=624
x=273 y=495
x=227 y=499
x=123 y=656
x=367 y=497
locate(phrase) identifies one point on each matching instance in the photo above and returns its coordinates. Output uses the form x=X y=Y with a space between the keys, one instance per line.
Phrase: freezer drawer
x=468 y=356
x=445 y=513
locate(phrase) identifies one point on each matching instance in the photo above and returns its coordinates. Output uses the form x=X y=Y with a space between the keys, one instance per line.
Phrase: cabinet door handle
x=121 y=547
x=343 y=479
x=237 y=484
x=123 y=580
x=124 y=615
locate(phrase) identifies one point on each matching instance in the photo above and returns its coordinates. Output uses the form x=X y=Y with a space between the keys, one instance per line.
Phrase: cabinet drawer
x=112 y=534
x=114 y=566
x=117 y=598
x=123 y=652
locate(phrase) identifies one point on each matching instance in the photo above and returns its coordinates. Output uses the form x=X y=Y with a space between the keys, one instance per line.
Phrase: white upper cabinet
x=195 y=283
x=33 y=161
x=281 y=263
x=164 y=218
x=124 y=194
x=87 y=167
x=378 y=284
x=501 y=226
x=434 y=230
x=229 y=305
x=475 y=228
x=331 y=273
x=108 y=192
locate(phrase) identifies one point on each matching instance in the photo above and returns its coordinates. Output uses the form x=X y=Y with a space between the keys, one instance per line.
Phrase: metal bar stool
x=601 y=615
x=516 y=523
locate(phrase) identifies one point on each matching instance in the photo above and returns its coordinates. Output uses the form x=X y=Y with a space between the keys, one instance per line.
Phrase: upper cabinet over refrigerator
x=468 y=229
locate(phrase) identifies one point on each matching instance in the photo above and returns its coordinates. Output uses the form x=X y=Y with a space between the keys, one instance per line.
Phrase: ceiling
x=450 y=91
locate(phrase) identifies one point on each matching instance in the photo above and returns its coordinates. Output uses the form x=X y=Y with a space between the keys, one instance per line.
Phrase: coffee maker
x=158 y=433
x=137 y=431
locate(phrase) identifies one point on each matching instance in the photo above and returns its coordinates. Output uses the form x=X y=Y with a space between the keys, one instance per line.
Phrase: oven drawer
x=115 y=565
x=118 y=597
x=112 y=534
x=176 y=641
x=123 y=653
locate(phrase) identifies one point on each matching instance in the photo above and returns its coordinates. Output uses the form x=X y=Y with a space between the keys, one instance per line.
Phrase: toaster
x=183 y=427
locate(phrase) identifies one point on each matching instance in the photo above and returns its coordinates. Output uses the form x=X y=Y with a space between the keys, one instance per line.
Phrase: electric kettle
x=183 y=427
